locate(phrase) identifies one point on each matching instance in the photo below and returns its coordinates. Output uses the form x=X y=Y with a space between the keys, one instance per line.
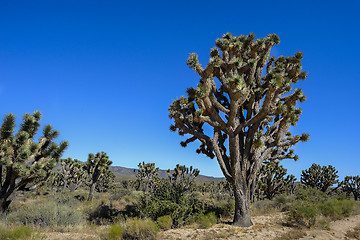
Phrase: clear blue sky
x=104 y=72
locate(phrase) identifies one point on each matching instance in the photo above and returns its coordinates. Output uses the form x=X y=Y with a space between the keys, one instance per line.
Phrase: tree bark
x=91 y=193
x=4 y=205
x=242 y=217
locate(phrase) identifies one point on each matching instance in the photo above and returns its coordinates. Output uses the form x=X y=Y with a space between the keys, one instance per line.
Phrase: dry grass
x=295 y=233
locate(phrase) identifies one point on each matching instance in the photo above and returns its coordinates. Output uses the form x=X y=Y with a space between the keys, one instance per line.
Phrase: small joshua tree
x=272 y=180
x=23 y=161
x=96 y=166
x=182 y=178
x=248 y=111
x=319 y=177
x=351 y=185
x=146 y=176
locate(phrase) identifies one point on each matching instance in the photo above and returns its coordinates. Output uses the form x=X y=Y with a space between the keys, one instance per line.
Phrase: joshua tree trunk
x=4 y=204
x=5 y=201
x=242 y=217
x=91 y=193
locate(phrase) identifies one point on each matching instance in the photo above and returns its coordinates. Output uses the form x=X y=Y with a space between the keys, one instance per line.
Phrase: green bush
x=165 y=222
x=20 y=233
x=303 y=214
x=140 y=229
x=115 y=232
x=45 y=214
x=310 y=194
x=284 y=201
x=153 y=207
x=207 y=220
x=336 y=209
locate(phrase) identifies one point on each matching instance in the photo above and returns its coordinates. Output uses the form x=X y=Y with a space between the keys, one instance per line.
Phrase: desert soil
x=272 y=226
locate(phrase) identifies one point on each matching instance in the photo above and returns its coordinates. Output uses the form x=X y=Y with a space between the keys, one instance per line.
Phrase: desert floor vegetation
x=170 y=211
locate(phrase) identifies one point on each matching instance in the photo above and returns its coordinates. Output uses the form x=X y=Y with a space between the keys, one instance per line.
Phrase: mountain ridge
x=123 y=171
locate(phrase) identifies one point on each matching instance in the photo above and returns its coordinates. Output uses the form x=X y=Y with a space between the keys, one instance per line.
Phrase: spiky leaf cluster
x=319 y=177
x=97 y=165
x=272 y=180
x=23 y=161
x=105 y=182
x=351 y=185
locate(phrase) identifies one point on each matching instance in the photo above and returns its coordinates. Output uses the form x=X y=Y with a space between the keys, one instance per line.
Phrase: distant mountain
x=123 y=172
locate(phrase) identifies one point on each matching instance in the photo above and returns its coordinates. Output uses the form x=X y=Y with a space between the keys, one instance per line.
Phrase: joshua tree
x=77 y=174
x=272 y=180
x=146 y=175
x=182 y=178
x=250 y=112
x=351 y=184
x=71 y=175
x=96 y=166
x=105 y=182
x=23 y=161
x=319 y=177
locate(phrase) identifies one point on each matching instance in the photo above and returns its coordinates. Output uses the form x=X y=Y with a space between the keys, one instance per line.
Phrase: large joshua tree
x=240 y=114
x=23 y=161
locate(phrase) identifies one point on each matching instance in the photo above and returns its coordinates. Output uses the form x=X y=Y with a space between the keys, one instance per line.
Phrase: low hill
x=129 y=173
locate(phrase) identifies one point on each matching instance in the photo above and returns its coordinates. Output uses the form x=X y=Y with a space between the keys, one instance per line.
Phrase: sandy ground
x=267 y=227
x=271 y=226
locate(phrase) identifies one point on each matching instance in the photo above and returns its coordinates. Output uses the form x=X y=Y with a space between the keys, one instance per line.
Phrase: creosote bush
x=303 y=214
x=136 y=228
x=309 y=213
x=19 y=233
x=165 y=222
x=115 y=232
x=58 y=212
x=207 y=220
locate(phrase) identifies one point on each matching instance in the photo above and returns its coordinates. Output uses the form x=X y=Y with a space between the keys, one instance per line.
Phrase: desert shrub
x=303 y=214
x=21 y=233
x=207 y=220
x=336 y=209
x=222 y=207
x=45 y=214
x=119 y=194
x=263 y=207
x=155 y=206
x=115 y=232
x=165 y=222
x=140 y=229
x=284 y=201
x=310 y=194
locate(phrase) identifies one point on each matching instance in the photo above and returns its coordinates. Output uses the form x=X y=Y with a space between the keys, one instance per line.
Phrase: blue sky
x=104 y=72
